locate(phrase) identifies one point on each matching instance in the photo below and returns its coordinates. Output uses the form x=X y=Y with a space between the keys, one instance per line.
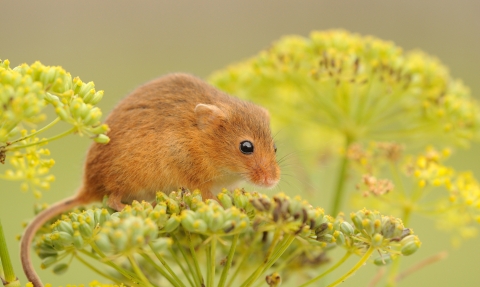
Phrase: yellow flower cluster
x=181 y=229
x=423 y=184
x=26 y=89
x=31 y=167
x=362 y=88
x=24 y=93
x=20 y=97
x=458 y=212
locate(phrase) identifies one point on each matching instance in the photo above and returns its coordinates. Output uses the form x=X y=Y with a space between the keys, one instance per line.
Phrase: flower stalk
x=228 y=264
x=10 y=279
x=329 y=270
x=354 y=269
x=339 y=190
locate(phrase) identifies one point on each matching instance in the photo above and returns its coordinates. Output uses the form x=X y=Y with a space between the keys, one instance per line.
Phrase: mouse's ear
x=208 y=115
x=265 y=112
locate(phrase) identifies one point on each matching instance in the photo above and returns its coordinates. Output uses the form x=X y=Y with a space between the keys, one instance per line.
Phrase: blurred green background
x=120 y=44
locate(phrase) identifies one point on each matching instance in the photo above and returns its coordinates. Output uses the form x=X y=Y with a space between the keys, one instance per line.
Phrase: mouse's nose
x=272 y=177
x=269 y=182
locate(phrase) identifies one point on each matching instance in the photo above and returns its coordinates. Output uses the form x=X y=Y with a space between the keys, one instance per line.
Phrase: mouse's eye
x=275 y=148
x=246 y=147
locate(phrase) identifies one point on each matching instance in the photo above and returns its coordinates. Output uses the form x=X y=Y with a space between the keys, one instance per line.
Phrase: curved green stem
x=139 y=272
x=211 y=261
x=160 y=270
x=357 y=266
x=392 y=274
x=187 y=273
x=91 y=267
x=239 y=267
x=130 y=276
x=270 y=259
x=341 y=179
x=170 y=271
x=5 y=259
x=259 y=270
x=13 y=148
x=395 y=267
x=190 y=267
x=340 y=262
x=194 y=257
x=37 y=132
x=227 y=266
x=279 y=251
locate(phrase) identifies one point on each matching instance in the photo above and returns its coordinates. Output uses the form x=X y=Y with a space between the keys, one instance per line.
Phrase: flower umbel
x=185 y=239
x=361 y=87
x=24 y=93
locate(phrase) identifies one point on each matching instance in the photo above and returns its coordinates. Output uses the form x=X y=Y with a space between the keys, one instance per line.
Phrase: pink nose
x=269 y=182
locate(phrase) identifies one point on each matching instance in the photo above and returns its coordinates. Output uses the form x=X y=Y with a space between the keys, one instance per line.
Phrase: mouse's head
x=239 y=137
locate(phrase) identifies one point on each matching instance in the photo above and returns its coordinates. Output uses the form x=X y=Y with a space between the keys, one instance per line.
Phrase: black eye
x=246 y=147
x=275 y=148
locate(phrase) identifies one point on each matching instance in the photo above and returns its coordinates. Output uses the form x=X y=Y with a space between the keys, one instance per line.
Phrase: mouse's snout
x=270 y=182
x=265 y=174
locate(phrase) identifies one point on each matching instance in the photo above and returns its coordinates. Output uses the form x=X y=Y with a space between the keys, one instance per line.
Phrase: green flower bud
x=63 y=114
x=385 y=259
x=216 y=222
x=78 y=240
x=391 y=227
x=97 y=97
x=161 y=244
x=101 y=240
x=368 y=226
x=228 y=226
x=48 y=261
x=119 y=240
x=104 y=216
x=102 y=139
x=303 y=231
x=357 y=221
x=346 y=228
x=92 y=117
x=74 y=218
x=377 y=226
x=172 y=207
x=225 y=200
x=60 y=268
x=65 y=227
x=54 y=100
x=188 y=218
x=240 y=200
x=100 y=129
x=377 y=240
x=340 y=237
x=407 y=239
x=46 y=251
x=89 y=96
x=410 y=247
x=60 y=237
x=200 y=226
x=172 y=223
x=85 y=230
x=328 y=238
x=84 y=89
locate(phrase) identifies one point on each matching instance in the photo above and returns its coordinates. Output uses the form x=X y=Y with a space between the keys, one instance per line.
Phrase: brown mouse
x=175 y=131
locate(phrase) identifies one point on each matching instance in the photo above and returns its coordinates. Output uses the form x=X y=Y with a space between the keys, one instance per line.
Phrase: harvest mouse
x=175 y=131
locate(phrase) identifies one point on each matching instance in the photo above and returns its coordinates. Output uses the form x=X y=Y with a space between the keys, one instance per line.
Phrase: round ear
x=208 y=115
x=265 y=112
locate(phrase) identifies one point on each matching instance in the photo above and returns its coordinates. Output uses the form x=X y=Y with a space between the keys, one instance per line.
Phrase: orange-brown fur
x=161 y=140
